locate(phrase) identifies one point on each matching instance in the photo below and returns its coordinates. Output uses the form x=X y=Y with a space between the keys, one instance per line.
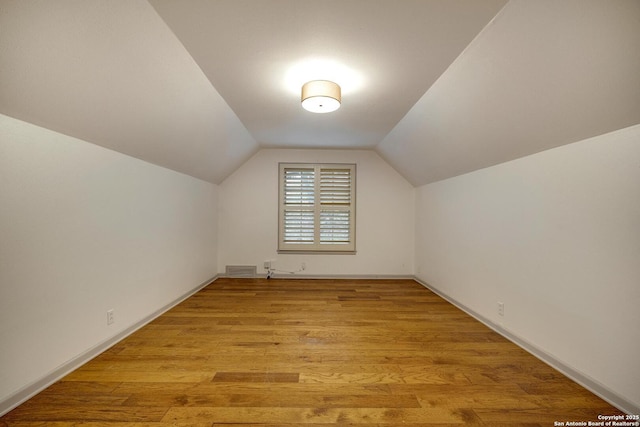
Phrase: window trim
x=316 y=247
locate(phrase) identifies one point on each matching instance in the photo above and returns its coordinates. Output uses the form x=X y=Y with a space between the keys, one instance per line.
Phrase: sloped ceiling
x=112 y=73
x=544 y=73
x=438 y=88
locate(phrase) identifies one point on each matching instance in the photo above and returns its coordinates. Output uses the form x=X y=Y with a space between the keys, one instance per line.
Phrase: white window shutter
x=298 y=224
x=317 y=208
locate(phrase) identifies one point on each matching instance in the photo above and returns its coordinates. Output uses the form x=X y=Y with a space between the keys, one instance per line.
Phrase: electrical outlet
x=110 y=318
x=267 y=265
x=500 y=308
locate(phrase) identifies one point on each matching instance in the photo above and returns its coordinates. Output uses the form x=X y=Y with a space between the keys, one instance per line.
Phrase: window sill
x=312 y=252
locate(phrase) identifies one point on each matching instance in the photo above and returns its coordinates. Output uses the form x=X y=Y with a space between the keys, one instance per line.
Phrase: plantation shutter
x=317 y=207
x=335 y=205
x=299 y=198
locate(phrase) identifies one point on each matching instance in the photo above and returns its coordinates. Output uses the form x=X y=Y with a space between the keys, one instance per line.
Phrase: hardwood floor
x=323 y=352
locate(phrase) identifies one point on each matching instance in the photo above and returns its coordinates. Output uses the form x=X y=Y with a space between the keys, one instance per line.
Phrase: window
x=317 y=207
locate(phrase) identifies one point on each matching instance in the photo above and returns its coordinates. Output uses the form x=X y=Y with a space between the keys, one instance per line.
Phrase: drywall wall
x=83 y=230
x=555 y=236
x=384 y=216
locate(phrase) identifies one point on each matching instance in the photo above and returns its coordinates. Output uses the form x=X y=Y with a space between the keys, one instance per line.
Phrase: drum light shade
x=321 y=96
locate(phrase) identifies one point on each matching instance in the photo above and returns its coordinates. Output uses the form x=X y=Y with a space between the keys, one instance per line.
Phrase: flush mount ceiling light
x=321 y=96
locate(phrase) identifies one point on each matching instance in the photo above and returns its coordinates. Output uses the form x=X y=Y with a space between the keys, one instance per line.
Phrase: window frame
x=317 y=247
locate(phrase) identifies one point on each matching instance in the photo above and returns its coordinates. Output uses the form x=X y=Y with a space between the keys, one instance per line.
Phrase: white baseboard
x=584 y=380
x=39 y=385
x=327 y=276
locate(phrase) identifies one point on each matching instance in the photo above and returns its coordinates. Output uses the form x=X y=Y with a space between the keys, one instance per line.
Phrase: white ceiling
x=544 y=73
x=437 y=87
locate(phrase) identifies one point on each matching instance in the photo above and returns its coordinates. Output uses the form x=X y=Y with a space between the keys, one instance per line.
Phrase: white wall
x=556 y=237
x=384 y=216
x=83 y=230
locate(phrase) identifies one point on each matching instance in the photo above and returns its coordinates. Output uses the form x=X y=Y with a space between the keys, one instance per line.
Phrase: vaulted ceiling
x=437 y=87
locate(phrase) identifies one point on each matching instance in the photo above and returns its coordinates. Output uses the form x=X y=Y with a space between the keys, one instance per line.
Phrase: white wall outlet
x=267 y=264
x=500 y=308
x=110 y=317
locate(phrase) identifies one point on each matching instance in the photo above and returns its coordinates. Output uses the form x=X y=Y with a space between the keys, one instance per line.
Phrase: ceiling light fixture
x=321 y=96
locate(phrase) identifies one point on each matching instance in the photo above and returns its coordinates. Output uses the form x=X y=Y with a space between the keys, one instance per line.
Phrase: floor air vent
x=240 y=270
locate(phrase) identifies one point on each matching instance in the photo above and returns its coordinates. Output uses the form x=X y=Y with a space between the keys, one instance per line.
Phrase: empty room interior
x=417 y=212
